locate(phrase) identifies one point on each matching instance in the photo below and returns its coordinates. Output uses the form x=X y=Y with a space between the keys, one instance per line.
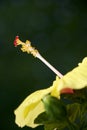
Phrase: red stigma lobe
x=15 y=41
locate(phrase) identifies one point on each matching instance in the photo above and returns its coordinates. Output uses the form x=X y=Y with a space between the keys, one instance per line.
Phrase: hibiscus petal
x=30 y=108
x=75 y=79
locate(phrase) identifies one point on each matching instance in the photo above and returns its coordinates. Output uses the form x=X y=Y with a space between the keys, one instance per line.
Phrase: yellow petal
x=55 y=92
x=30 y=108
x=75 y=79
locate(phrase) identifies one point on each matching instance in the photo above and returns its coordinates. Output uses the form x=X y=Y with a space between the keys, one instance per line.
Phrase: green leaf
x=60 y=115
x=42 y=119
x=83 y=116
x=73 y=111
x=50 y=124
x=55 y=126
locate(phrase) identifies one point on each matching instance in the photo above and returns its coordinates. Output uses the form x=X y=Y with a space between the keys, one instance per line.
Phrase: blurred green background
x=57 y=28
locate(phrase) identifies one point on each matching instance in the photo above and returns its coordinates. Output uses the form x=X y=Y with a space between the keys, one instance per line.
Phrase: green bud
x=55 y=108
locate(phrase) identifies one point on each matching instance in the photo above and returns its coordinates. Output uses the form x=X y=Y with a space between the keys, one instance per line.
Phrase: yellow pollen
x=26 y=47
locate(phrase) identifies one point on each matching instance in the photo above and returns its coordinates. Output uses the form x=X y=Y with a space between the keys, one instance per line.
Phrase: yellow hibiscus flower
x=32 y=106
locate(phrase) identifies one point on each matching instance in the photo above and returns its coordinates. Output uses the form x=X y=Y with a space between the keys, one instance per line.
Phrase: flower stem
x=72 y=126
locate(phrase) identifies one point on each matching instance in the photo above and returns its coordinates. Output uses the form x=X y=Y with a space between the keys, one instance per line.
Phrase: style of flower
x=32 y=106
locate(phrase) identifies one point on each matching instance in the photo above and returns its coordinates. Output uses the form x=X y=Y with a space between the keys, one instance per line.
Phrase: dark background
x=57 y=28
